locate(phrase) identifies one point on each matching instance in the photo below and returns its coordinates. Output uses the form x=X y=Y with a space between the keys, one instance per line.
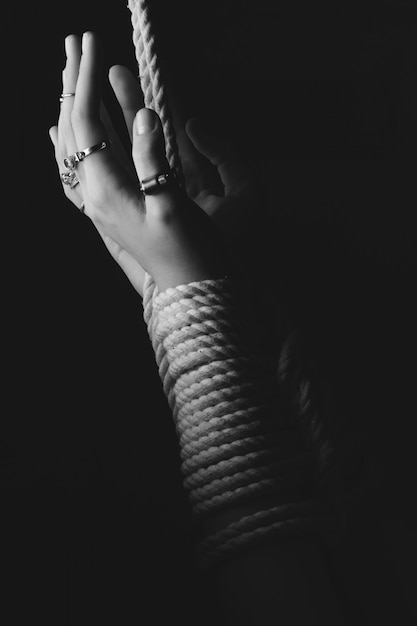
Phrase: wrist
x=186 y=273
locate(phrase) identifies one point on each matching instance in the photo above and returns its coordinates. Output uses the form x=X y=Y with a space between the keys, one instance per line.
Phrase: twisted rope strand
x=234 y=443
x=257 y=528
x=201 y=439
x=242 y=462
x=210 y=422
x=224 y=449
x=151 y=79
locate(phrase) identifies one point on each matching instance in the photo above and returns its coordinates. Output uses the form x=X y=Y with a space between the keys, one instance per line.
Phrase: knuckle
x=164 y=211
x=101 y=199
x=101 y=195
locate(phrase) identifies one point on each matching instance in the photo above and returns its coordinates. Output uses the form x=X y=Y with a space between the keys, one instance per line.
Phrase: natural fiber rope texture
x=151 y=78
x=235 y=444
x=262 y=526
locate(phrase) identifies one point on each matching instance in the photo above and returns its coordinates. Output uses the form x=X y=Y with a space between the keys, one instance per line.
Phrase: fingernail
x=145 y=121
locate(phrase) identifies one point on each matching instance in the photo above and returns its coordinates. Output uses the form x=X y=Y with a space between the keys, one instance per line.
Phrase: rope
x=237 y=444
x=260 y=527
x=152 y=81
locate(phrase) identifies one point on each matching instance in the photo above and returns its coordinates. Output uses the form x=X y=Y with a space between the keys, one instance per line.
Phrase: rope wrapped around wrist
x=238 y=447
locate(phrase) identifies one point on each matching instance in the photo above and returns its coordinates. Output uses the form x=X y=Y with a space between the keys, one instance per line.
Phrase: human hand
x=167 y=234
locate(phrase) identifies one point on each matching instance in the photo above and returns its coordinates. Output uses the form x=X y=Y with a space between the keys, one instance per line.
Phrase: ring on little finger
x=70 y=178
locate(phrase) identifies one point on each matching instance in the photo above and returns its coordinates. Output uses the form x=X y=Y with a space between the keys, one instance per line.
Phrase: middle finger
x=69 y=83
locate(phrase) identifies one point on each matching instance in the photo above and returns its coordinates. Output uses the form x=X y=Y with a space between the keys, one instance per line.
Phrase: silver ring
x=65 y=95
x=156 y=183
x=70 y=178
x=70 y=162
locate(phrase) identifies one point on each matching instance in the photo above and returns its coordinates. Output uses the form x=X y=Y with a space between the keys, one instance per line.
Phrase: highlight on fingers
x=66 y=140
x=86 y=122
x=72 y=46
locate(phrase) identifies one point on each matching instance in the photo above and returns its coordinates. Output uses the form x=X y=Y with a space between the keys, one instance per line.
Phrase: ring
x=70 y=178
x=65 y=95
x=70 y=162
x=153 y=184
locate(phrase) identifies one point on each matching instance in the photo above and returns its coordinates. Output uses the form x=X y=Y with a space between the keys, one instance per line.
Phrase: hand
x=168 y=235
x=216 y=177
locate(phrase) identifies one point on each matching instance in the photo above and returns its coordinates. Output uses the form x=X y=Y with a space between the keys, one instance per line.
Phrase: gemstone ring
x=70 y=178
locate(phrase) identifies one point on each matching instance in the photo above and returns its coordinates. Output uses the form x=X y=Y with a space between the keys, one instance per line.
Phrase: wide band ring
x=70 y=178
x=71 y=162
x=157 y=183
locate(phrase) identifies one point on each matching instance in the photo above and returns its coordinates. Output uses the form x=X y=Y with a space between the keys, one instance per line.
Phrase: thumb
x=149 y=157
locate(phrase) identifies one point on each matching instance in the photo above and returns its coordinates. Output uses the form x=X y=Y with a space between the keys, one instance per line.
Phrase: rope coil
x=236 y=444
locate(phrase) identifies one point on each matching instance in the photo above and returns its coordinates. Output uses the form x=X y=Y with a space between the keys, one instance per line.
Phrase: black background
x=321 y=103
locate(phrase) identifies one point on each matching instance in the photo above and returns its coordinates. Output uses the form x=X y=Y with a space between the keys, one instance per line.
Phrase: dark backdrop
x=321 y=103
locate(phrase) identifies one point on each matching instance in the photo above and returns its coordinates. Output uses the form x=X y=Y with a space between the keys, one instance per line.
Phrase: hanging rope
x=236 y=442
x=151 y=78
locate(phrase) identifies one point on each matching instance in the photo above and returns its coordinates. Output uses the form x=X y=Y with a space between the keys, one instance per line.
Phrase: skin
x=176 y=237
x=179 y=238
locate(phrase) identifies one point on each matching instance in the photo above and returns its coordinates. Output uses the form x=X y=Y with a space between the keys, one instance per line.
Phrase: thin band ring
x=65 y=95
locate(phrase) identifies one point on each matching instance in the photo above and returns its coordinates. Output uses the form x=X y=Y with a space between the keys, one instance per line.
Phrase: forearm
x=245 y=466
x=284 y=583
